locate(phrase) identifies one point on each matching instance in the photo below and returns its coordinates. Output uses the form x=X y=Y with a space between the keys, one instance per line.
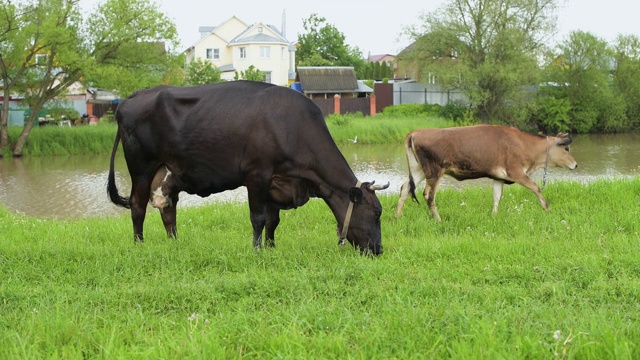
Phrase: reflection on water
x=68 y=187
x=75 y=186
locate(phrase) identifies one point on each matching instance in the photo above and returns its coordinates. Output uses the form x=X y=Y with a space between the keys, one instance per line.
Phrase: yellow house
x=234 y=46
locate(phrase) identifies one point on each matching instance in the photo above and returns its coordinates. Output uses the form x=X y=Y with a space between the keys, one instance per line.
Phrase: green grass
x=76 y=140
x=380 y=129
x=82 y=140
x=475 y=286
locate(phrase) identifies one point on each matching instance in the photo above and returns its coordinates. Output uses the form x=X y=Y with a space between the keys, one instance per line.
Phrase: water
x=72 y=187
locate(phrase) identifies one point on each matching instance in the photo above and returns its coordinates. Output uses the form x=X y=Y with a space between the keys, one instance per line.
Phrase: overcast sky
x=375 y=26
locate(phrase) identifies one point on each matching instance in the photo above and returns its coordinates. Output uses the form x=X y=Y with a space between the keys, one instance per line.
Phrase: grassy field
x=525 y=284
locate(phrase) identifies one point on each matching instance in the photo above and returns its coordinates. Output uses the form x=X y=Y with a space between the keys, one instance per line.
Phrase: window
x=267 y=77
x=283 y=53
x=265 y=52
x=212 y=54
x=243 y=53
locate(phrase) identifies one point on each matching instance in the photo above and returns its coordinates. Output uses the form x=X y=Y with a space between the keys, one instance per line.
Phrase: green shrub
x=344 y=119
x=553 y=114
x=454 y=110
x=109 y=117
x=404 y=110
x=432 y=109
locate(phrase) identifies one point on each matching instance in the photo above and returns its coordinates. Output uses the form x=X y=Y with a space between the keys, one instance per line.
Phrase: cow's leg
x=418 y=177
x=273 y=219
x=525 y=181
x=139 y=199
x=257 y=190
x=497 y=194
x=404 y=193
x=430 y=196
x=168 y=215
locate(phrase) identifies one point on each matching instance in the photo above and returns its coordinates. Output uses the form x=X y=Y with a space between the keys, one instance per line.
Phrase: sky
x=376 y=26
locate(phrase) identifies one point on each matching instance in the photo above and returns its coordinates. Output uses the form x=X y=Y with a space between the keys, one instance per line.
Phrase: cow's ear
x=564 y=141
x=355 y=195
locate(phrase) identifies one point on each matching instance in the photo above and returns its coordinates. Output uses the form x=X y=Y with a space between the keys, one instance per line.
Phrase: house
x=234 y=46
x=389 y=59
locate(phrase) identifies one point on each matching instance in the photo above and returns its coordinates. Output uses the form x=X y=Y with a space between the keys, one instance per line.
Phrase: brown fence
x=384 y=96
x=347 y=106
x=99 y=109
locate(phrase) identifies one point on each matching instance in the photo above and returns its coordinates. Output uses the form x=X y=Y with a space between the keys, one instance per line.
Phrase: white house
x=234 y=46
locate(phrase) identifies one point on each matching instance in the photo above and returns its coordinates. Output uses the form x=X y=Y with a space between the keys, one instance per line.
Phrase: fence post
x=372 y=105
x=336 y=104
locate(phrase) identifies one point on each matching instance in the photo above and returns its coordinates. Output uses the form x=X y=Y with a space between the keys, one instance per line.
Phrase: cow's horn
x=378 y=187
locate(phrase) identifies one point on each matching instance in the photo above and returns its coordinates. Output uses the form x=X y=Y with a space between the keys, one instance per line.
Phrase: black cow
x=218 y=137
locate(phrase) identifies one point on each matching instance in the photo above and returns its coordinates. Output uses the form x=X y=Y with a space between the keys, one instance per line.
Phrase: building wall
x=277 y=63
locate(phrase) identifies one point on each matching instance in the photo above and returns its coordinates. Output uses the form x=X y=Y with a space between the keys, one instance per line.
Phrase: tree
x=486 y=48
x=200 y=72
x=626 y=76
x=54 y=48
x=252 y=73
x=35 y=65
x=12 y=42
x=131 y=44
x=581 y=69
x=324 y=45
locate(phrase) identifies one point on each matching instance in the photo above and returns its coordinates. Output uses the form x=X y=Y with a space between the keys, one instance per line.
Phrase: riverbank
x=60 y=141
x=83 y=140
x=523 y=284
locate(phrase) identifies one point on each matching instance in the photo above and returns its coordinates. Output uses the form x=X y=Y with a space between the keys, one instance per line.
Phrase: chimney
x=283 y=29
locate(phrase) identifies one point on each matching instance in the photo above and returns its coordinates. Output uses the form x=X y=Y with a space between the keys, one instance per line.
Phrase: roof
x=328 y=79
x=258 y=38
x=380 y=57
x=227 y=68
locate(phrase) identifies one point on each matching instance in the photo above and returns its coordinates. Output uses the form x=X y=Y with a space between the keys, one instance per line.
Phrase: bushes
x=413 y=110
x=456 y=111
x=343 y=120
x=403 y=110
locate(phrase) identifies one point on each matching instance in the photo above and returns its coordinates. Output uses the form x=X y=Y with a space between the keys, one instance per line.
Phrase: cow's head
x=364 y=226
x=559 y=155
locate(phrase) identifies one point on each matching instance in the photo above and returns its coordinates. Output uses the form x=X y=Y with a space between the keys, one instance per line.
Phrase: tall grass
x=76 y=140
x=81 y=140
x=380 y=129
x=522 y=284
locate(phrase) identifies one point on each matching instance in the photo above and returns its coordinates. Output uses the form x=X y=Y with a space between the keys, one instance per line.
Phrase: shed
x=327 y=81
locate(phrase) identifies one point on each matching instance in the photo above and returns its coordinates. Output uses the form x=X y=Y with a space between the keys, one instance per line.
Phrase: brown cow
x=504 y=154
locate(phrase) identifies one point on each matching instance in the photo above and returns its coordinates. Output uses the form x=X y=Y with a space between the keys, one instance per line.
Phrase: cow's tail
x=112 y=189
x=413 y=162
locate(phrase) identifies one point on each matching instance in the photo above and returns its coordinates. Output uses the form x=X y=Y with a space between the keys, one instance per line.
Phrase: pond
x=75 y=186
